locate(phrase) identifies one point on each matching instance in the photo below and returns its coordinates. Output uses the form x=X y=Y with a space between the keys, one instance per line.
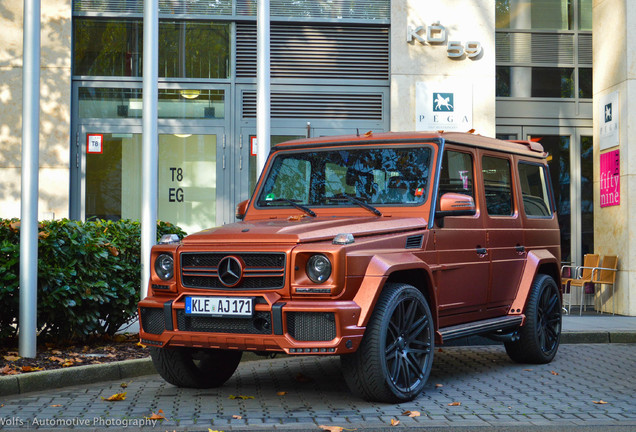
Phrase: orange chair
x=581 y=277
x=606 y=274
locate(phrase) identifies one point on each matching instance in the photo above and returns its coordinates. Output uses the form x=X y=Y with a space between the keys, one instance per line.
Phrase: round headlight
x=318 y=268
x=164 y=266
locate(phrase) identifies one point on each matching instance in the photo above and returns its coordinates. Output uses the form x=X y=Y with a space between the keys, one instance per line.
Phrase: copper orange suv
x=375 y=248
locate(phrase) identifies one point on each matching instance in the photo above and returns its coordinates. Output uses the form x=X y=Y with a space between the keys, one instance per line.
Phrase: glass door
x=571 y=170
x=191 y=185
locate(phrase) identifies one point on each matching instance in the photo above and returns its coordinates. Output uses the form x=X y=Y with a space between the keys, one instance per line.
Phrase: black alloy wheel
x=395 y=356
x=540 y=336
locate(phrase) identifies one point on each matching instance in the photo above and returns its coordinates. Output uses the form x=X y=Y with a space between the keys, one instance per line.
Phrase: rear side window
x=497 y=185
x=534 y=190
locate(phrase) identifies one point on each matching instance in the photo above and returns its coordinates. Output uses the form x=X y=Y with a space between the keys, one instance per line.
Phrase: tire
x=186 y=367
x=395 y=356
x=539 y=337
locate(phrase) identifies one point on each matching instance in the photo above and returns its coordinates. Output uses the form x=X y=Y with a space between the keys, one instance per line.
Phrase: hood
x=301 y=230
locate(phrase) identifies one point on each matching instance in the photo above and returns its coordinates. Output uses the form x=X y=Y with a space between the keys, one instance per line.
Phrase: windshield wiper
x=357 y=201
x=294 y=203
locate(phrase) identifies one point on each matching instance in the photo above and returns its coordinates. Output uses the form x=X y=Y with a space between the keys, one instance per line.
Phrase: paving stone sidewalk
x=480 y=386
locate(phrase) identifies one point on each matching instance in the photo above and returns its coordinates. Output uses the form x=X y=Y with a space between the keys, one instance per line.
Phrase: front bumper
x=277 y=325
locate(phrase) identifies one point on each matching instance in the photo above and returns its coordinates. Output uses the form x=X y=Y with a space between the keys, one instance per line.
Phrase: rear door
x=504 y=235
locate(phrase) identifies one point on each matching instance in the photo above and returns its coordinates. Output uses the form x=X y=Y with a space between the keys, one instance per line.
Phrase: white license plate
x=220 y=306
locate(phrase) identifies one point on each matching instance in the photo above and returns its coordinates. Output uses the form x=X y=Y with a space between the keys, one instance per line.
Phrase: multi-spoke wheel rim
x=549 y=320
x=408 y=345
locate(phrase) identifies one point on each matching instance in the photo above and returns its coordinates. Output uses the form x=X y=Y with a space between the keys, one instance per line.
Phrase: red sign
x=610 y=179
x=94 y=143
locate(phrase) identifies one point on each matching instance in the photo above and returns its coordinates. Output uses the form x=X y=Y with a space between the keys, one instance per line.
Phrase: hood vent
x=414 y=242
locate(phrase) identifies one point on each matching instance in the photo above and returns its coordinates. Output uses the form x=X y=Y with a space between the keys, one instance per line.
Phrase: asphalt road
x=587 y=387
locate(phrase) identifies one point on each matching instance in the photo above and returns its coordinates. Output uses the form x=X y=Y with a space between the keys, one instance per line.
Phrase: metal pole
x=262 y=84
x=29 y=182
x=150 y=152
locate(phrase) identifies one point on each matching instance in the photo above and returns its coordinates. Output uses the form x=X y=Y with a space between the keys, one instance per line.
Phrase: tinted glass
x=187 y=49
x=585 y=83
x=587 y=196
x=497 y=185
x=553 y=82
x=395 y=175
x=457 y=174
x=100 y=102
x=535 y=14
x=585 y=15
x=534 y=190
x=107 y=47
x=503 y=81
x=193 y=49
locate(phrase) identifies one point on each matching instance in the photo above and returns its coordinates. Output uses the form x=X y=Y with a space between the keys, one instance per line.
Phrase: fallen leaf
x=439 y=385
x=156 y=416
x=454 y=404
x=237 y=417
x=43 y=234
x=303 y=378
x=240 y=397
x=331 y=428
x=527 y=370
x=281 y=393
x=113 y=251
x=56 y=405
x=8 y=370
x=68 y=363
x=394 y=422
x=31 y=369
x=600 y=402
x=12 y=358
x=368 y=134
x=123 y=385
x=411 y=413
x=440 y=350
x=14 y=353
x=139 y=344
x=116 y=397
x=554 y=373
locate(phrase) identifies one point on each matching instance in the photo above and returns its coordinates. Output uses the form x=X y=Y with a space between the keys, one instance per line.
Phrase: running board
x=480 y=327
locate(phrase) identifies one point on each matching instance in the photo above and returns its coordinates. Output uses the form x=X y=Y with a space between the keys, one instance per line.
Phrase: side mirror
x=454 y=204
x=241 y=209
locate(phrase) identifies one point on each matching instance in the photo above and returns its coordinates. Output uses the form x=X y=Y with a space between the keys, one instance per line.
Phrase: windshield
x=375 y=176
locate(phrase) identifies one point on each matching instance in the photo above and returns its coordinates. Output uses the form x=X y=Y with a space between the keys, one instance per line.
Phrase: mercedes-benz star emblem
x=230 y=271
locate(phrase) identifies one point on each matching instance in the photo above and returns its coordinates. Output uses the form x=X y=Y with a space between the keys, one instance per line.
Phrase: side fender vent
x=414 y=242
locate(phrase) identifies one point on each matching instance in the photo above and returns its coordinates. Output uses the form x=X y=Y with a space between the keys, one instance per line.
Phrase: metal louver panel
x=332 y=9
x=361 y=106
x=414 y=242
x=585 y=49
x=543 y=48
x=192 y=7
x=303 y=51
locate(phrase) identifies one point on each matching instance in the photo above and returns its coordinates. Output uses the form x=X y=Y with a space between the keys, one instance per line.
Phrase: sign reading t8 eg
x=436 y=35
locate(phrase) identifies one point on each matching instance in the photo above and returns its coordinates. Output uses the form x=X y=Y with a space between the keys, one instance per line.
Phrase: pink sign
x=610 y=179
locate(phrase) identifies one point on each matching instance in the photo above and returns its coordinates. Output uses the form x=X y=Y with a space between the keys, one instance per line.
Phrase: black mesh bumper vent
x=152 y=320
x=260 y=323
x=311 y=326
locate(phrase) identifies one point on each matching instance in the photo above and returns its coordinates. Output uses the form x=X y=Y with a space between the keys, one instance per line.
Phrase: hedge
x=88 y=276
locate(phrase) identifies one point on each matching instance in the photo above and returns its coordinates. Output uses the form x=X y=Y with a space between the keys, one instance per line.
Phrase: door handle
x=481 y=251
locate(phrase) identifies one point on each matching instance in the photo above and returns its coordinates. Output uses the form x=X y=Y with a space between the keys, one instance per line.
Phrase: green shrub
x=88 y=276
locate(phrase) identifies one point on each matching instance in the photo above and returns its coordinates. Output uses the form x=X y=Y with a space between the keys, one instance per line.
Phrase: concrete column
x=614 y=45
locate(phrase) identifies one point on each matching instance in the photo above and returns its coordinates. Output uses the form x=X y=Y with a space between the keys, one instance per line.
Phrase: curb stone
x=90 y=374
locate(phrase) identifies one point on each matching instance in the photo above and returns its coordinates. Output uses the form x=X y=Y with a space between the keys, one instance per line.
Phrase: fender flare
x=535 y=259
x=378 y=272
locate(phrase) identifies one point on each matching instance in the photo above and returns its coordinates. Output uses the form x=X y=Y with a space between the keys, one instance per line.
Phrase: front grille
x=311 y=326
x=260 y=270
x=260 y=323
x=152 y=320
